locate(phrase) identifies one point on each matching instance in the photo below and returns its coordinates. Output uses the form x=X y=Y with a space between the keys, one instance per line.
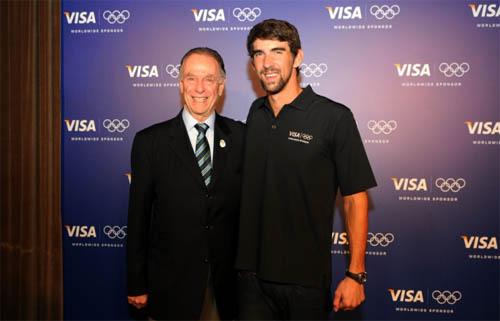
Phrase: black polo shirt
x=294 y=164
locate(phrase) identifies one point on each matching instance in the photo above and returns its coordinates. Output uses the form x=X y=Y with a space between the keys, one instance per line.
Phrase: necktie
x=202 y=153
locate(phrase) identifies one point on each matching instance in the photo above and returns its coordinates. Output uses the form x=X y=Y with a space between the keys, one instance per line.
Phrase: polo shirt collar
x=302 y=101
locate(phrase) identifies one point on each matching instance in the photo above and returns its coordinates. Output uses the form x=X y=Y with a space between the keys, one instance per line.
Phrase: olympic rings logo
x=246 y=14
x=115 y=232
x=316 y=70
x=454 y=69
x=450 y=184
x=116 y=125
x=385 y=11
x=173 y=70
x=380 y=239
x=382 y=126
x=446 y=296
x=116 y=16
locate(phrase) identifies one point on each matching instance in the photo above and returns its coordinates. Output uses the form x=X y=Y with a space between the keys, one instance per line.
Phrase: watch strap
x=358 y=277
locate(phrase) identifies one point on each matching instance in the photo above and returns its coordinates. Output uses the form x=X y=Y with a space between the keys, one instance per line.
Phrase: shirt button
x=273 y=126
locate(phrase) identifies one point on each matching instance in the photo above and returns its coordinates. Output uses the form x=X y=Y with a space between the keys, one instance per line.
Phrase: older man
x=184 y=202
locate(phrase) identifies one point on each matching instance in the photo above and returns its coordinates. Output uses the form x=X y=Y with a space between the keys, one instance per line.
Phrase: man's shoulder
x=157 y=129
x=254 y=107
x=258 y=102
x=232 y=124
x=328 y=105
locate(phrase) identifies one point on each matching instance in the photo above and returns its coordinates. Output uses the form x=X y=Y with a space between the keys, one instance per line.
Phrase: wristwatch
x=358 y=277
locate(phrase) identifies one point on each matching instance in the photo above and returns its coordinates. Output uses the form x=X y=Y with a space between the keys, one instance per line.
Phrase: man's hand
x=139 y=301
x=348 y=295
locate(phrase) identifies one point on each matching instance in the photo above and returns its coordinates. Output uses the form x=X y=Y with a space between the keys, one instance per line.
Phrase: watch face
x=362 y=277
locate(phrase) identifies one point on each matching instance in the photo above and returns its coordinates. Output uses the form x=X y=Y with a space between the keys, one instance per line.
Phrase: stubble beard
x=276 y=88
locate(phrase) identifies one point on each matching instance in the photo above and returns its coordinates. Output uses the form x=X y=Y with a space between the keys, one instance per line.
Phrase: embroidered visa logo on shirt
x=300 y=137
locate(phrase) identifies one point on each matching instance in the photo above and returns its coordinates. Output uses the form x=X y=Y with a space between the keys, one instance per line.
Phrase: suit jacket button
x=205 y=260
x=207 y=227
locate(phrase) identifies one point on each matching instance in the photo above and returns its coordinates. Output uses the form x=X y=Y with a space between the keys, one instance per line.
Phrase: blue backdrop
x=422 y=78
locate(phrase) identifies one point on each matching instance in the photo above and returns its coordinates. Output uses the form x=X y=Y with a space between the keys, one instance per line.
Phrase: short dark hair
x=274 y=29
x=209 y=52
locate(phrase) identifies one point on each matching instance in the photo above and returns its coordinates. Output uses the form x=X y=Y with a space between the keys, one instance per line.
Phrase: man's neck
x=285 y=96
x=190 y=118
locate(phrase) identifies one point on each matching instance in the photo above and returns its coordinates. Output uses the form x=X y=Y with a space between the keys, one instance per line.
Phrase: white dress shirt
x=190 y=122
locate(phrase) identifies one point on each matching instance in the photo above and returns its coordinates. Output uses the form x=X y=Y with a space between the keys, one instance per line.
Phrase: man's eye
x=257 y=54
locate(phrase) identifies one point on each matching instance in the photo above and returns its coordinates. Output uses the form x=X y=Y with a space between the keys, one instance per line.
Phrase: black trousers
x=265 y=300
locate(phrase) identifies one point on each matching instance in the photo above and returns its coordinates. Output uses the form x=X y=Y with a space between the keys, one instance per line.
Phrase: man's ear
x=181 y=87
x=220 y=90
x=299 y=57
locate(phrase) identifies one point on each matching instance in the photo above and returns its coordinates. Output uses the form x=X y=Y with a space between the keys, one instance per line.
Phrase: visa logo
x=486 y=128
x=142 y=71
x=342 y=13
x=485 y=10
x=339 y=238
x=409 y=184
x=480 y=242
x=80 y=231
x=399 y=295
x=208 y=15
x=413 y=70
x=80 y=125
x=82 y=17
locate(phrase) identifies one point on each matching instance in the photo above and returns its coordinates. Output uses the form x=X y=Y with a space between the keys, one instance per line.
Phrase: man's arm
x=139 y=213
x=349 y=293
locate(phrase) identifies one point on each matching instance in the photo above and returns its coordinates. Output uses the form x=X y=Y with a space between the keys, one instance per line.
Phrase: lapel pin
x=222 y=143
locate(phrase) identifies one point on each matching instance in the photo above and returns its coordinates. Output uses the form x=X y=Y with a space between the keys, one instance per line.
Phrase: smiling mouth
x=199 y=99
x=270 y=74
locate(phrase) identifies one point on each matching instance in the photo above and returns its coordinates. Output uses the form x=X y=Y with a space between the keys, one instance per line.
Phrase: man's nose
x=268 y=61
x=199 y=87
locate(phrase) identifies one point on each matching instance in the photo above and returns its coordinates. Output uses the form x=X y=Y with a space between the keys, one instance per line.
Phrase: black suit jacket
x=178 y=228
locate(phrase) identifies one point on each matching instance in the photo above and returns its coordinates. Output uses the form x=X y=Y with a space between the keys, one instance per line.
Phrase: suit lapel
x=222 y=146
x=182 y=146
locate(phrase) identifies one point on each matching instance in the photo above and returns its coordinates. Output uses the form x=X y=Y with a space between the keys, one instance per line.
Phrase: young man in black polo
x=300 y=148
